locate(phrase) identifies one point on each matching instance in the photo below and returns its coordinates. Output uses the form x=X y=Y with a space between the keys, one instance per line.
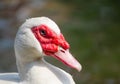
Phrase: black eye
x=43 y=32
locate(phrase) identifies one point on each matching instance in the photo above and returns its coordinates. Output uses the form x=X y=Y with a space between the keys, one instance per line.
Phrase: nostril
x=62 y=51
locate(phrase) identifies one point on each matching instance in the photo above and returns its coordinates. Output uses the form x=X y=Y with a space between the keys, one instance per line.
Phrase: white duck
x=36 y=38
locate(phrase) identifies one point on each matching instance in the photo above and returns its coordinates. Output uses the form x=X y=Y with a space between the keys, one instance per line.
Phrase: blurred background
x=92 y=27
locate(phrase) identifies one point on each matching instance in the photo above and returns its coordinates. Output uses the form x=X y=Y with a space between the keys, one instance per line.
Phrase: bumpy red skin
x=50 y=42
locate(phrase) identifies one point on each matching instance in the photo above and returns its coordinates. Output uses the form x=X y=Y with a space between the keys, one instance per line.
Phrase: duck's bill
x=66 y=57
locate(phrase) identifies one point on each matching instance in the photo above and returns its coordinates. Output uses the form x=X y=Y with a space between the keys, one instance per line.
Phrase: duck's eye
x=42 y=32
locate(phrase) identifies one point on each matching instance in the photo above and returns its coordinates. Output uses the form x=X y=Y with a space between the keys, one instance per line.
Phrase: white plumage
x=32 y=67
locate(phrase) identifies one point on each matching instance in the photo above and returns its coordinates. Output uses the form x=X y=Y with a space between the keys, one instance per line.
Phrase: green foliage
x=94 y=34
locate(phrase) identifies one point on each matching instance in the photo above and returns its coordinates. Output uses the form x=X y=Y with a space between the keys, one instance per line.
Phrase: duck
x=37 y=38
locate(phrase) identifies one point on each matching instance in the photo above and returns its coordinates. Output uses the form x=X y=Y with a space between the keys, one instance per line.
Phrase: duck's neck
x=28 y=70
x=37 y=72
x=41 y=72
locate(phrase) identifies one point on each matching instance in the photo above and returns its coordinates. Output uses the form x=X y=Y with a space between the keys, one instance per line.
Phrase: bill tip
x=78 y=68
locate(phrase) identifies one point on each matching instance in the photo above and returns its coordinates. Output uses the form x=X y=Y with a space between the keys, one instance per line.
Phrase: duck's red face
x=55 y=45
